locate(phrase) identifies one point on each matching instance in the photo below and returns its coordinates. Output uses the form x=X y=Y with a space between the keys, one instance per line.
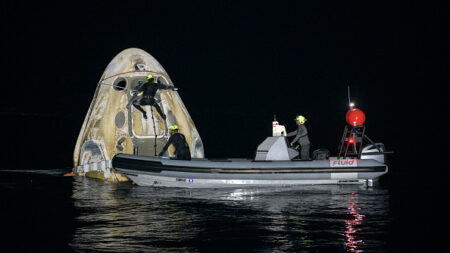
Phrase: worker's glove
x=136 y=93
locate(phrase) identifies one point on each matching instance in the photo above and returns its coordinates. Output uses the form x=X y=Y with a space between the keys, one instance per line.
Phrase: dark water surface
x=45 y=212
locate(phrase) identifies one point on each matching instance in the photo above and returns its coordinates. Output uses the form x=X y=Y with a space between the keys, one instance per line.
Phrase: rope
x=154 y=127
x=138 y=71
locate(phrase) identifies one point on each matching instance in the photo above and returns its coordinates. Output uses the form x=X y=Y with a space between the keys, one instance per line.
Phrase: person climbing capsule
x=145 y=95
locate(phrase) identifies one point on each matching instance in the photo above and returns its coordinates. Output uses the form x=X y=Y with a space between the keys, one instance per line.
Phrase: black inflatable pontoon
x=273 y=166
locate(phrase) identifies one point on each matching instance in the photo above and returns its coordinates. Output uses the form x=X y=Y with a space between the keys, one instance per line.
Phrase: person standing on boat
x=178 y=140
x=146 y=95
x=301 y=136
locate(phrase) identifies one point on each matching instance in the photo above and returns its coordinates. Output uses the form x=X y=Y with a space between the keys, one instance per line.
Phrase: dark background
x=236 y=64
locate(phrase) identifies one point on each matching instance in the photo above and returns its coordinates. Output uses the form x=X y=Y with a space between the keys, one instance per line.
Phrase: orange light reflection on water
x=352 y=243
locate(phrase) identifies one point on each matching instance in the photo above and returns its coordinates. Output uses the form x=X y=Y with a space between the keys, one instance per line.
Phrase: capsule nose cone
x=134 y=60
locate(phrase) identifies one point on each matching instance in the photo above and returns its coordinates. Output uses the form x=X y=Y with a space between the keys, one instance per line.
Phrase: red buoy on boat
x=355 y=117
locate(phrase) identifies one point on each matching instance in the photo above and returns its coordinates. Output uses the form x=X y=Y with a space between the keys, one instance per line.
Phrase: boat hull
x=203 y=173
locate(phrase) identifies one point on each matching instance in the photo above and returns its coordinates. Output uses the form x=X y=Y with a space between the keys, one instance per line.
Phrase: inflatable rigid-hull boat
x=204 y=173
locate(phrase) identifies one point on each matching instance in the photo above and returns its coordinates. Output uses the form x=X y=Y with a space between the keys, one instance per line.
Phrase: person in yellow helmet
x=301 y=136
x=146 y=95
x=182 y=151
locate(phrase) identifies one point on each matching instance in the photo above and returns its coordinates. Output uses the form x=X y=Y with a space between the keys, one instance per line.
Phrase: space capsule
x=112 y=125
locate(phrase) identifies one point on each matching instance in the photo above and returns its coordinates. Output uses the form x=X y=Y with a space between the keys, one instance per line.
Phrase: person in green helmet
x=145 y=93
x=178 y=140
x=301 y=136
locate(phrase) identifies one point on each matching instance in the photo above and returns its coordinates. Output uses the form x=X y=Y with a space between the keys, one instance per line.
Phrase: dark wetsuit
x=182 y=151
x=301 y=136
x=148 y=97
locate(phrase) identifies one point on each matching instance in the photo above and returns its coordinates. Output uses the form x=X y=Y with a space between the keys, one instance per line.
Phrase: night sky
x=236 y=64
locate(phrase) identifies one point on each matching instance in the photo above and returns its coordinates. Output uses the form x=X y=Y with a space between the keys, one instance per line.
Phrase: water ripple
x=127 y=218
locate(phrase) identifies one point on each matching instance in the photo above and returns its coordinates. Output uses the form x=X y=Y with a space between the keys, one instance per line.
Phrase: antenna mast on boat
x=348 y=94
x=350 y=104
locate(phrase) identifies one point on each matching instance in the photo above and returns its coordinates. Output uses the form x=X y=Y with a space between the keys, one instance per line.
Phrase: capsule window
x=120 y=84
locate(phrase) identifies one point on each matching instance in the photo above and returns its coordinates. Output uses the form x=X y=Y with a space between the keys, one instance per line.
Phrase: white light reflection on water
x=128 y=218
